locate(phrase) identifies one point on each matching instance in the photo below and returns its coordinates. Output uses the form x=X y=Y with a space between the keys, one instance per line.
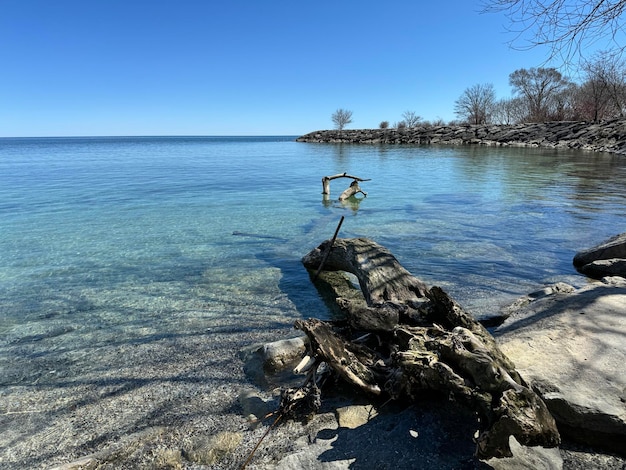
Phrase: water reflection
x=537 y=174
x=351 y=203
x=485 y=221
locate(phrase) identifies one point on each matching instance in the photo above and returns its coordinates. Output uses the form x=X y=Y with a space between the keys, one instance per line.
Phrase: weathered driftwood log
x=381 y=277
x=327 y=179
x=351 y=361
x=419 y=339
x=352 y=190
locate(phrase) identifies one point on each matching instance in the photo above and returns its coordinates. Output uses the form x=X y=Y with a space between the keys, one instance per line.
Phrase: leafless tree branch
x=567 y=27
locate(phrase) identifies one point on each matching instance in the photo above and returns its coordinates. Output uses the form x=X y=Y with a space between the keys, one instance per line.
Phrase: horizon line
x=141 y=135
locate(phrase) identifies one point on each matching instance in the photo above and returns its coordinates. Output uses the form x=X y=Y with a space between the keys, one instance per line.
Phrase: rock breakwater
x=608 y=136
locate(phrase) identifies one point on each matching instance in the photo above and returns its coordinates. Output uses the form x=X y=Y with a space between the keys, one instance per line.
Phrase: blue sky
x=206 y=67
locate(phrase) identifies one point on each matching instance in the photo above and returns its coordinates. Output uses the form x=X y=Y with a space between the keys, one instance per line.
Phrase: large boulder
x=606 y=259
x=571 y=348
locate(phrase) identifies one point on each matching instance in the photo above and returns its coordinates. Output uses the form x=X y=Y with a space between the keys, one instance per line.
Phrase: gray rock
x=270 y=358
x=281 y=354
x=615 y=281
x=605 y=267
x=558 y=288
x=355 y=415
x=571 y=348
x=614 y=247
x=528 y=458
x=606 y=259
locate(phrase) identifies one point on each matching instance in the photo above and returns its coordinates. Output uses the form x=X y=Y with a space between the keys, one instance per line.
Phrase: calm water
x=135 y=236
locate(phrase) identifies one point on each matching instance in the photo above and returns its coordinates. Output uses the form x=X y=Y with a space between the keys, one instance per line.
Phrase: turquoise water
x=130 y=236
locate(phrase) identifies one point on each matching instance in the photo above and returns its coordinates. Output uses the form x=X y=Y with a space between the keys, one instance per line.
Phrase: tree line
x=539 y=94
x=544 y=94
x=342 y=117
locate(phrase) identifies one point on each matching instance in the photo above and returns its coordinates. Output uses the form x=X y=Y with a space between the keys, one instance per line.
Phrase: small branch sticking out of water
x=330 y=247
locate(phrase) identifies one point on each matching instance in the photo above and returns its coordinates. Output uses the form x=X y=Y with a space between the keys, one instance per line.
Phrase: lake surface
x=120 y=238
x=132 y=270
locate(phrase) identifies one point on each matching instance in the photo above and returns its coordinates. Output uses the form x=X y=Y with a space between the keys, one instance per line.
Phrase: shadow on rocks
x=432 y=435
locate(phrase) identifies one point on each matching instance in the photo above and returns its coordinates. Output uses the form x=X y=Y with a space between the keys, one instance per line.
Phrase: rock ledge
x=571 y=348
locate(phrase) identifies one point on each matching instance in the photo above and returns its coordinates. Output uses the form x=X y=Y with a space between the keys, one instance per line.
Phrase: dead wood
x=327 y=179
x=381 y=277
x=352 y=190
x=328 y=248
x=296 y=403
x=352 y=362
x=421 y=340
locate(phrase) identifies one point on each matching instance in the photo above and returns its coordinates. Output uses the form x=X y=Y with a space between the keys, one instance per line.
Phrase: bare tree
x=341 y=118
x=384 y=124
x=593 y=96
x=589 y=102
x=411 y=119
x=476 y=104
x=509 y=111
x=540 y=88
x=566 y=26
x=563 y=104
x=605 y=75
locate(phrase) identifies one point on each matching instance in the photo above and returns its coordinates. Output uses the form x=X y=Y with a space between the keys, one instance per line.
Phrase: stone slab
x=572 y=348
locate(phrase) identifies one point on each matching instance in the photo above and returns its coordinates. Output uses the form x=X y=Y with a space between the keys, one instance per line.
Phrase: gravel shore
x=171 y=400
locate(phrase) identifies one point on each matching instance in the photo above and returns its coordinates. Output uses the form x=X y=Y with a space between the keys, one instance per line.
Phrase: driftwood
x=352 y=190
x=413 y=339
x=381 y=277
x=320 y=265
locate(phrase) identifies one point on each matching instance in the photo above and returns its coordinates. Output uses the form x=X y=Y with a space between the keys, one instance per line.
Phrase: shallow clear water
x=128 y=237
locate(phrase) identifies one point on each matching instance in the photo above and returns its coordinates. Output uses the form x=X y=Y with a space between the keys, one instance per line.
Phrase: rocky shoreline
x=567 y=343
x=607 y=136
x=210 y=414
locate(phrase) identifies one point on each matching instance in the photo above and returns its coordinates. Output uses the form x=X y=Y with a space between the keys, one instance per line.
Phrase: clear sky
x=241 y=67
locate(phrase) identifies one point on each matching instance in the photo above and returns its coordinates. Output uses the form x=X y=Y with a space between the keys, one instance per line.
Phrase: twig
x=330 y=247
x=245 y=464
x=346 y=175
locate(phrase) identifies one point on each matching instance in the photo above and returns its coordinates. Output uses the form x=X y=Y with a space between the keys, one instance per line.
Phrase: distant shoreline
x=608 y=136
